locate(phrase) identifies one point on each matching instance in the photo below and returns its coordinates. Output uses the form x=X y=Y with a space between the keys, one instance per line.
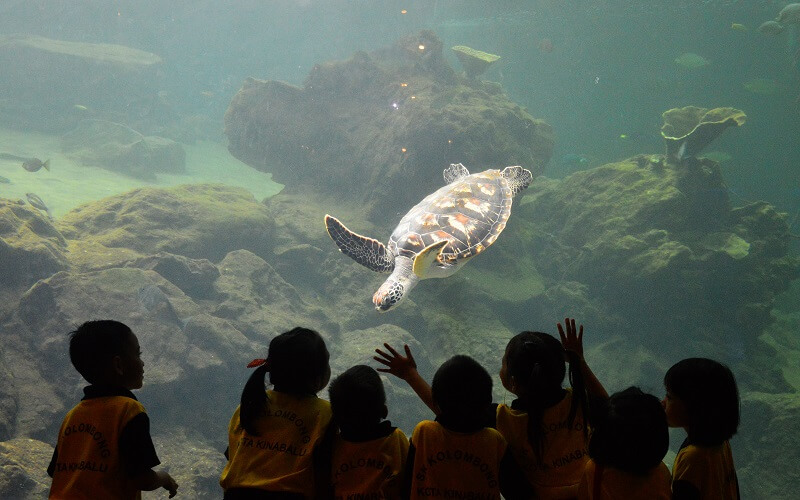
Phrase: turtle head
x=388 y=295
x=396 y=286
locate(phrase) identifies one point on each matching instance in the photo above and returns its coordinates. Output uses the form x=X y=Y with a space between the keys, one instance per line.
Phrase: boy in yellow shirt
x=104 y=448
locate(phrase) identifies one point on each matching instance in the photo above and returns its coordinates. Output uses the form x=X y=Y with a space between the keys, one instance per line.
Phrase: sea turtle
x=440 y=234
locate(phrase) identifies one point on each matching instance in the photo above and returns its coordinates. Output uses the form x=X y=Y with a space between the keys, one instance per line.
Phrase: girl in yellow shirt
x=279 y=440
x=703 y=399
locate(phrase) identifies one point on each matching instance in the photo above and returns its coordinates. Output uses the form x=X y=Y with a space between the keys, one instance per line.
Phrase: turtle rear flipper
x=368 y=252
x=518 y=178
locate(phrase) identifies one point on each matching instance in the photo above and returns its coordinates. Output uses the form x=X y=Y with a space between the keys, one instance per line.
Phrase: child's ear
x=116 y=364
x=385 y=412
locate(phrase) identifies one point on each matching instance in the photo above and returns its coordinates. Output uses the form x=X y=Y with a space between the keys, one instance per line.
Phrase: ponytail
x=254 y=399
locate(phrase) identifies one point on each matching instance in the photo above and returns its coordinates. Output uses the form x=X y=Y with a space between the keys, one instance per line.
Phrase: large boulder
x=117 y=147
x=31 y=248
x=23 y=468
x=661 y=245
x=199 y=221
x=50 y=84
x=379 y=128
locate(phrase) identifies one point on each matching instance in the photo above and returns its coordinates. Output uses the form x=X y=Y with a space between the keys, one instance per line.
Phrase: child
x=104 y=447
x=369 y=455
x=456 y=456
x=546 y=427
x=702 y=397
x=279 y=440
x=627 y=447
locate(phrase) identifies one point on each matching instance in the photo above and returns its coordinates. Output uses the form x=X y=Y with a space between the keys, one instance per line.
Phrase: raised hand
x=398 y=365
x=572 y=340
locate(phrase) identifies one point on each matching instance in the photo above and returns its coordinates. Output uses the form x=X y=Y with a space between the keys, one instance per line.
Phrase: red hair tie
x=258 y=362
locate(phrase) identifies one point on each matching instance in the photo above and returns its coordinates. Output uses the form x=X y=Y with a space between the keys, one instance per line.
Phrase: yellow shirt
x=88 y=463
x=709 y=469
x=449 y=464
x=370 y=469
x=280 y=458
x=616 y=484
x=564 y=453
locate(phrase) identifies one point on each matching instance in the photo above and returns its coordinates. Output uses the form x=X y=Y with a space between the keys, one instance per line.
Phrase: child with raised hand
x=702 y=397
x=546 y=426
x=279 y=439
x=104 y=447
x=369 y=455
x=457 y=456
x=627 y=446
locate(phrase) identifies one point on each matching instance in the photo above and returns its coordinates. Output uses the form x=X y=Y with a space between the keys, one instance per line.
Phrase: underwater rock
x=30 y=247
x=23 y=462
x=693 y=128
x=475 y=62
x=379 y=128
x=789 y=14
x=199 y=221
x=771 y=446
x=649 y=240
x=195 y=277
x=771 y=28
x=254 y=297
x=117 y=147
x=93 y=76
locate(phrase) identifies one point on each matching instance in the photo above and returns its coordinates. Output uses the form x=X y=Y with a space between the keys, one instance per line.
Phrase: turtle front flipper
x=518 y=178
x=368 y=252
x=454 y=172
x=426 y=258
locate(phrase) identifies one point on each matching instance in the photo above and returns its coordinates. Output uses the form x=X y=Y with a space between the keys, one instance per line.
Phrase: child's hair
x=93 y=344
x=297 y=360
x=537 y=361
x=708 y=391
x=462 y=389
x=357 y=398
x=631 y=434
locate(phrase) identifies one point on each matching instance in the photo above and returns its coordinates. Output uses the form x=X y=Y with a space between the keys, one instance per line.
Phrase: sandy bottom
x=69 y=183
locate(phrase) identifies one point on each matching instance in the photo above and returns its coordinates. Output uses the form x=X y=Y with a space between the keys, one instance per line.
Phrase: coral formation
x=397 y=116
x=694 y=128
x=475 y=62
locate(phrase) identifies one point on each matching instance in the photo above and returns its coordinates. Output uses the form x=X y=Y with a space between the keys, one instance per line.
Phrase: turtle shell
x=469 y=212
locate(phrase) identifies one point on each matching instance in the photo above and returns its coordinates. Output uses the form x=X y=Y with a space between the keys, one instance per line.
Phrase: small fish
x=789 y=14
x=738 y=27
x=34 y=164
x=207 y=93
x=80 y=107
x=762 y=86
x=4 y=180
x=682 y=154
x=770 y=28
x=546 y=45
x=37 y=203
x=691 y=60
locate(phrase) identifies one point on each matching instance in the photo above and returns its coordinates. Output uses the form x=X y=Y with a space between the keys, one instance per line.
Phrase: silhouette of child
x=457 y=456
x=369 y=455
x=279 y=440
x=546 y=426
x=702 y=397
x=104 y=448
x=628 y=443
